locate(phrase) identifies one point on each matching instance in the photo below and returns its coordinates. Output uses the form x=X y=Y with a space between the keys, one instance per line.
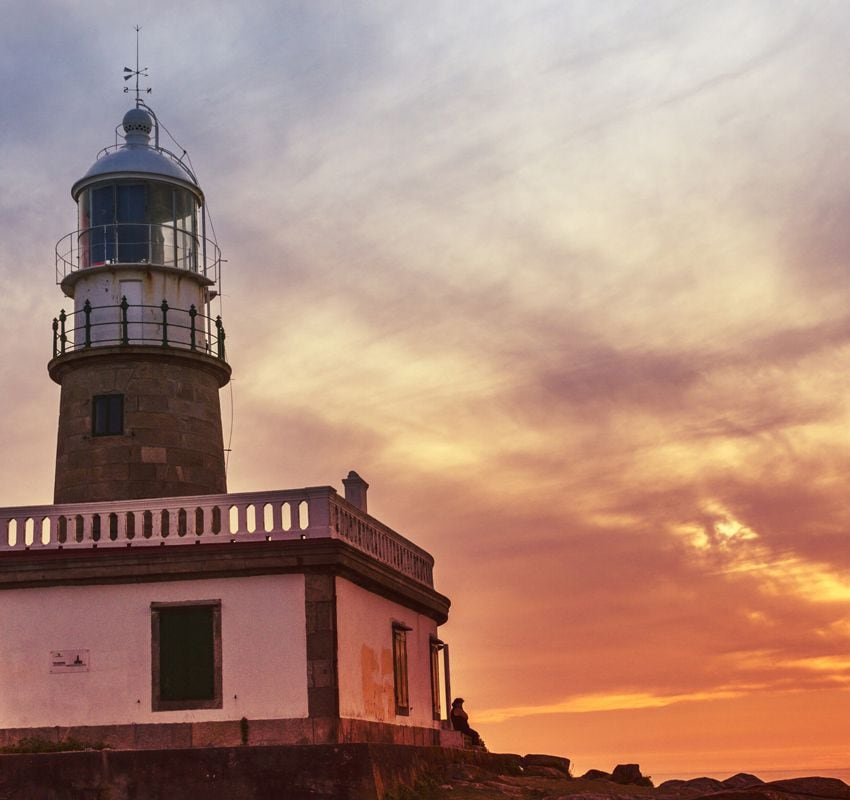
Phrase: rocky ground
x=548 y=778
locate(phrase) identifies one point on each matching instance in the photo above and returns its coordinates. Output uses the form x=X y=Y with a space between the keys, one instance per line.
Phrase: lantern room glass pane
x=184 y=209
x=103 y=231
x=132 y=230
x=161 y=210
x=184 y=218
x=83 y=225
x=84 y=218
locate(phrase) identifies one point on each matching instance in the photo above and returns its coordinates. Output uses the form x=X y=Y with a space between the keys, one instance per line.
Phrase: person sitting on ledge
x=460 y=722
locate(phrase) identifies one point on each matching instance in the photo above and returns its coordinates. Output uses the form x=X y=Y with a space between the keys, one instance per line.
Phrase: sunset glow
x=567 y=283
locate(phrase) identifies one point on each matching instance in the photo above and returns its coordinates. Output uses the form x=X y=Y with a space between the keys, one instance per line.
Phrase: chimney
x=355 y=490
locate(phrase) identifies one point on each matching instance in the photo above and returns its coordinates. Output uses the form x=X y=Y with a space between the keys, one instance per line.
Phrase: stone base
x=170 y=439
x=233 y=733
x=314 y=772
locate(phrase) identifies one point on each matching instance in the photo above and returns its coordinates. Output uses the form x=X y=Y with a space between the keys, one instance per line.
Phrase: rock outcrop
x=743 y=780
x=543 y=777
x=813 y=787
x=694 y=787
x=629 y=775
x=596 y=775
x=537 y=761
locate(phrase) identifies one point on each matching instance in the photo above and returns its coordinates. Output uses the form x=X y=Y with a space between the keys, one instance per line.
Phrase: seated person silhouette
x=460 y=722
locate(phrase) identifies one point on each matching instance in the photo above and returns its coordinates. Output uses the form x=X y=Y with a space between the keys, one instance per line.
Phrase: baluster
x=164 y=308
x=121 y=532
x=36 y=532
x=220 y=337
x=87 y=313
x=173 y=523
x=55 y=337
x=125 y=338
x=62 y=337
x=193 y=312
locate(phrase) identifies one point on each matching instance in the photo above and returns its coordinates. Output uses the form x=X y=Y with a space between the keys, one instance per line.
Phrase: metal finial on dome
x=130 y=73
x=137 y=124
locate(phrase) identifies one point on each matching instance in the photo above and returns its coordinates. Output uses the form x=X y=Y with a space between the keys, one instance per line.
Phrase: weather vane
x=130 y=73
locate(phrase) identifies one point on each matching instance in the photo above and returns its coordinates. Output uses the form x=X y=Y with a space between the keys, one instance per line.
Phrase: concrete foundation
x=317 y=772
x=230 y=733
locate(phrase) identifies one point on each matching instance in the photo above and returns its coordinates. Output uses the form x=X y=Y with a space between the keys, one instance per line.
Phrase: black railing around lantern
x=126 y=324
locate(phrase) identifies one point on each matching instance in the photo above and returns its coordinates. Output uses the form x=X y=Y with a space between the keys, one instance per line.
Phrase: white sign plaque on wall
x=69 y=660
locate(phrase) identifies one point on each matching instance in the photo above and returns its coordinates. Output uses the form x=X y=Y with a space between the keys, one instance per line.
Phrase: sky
x=565 y=282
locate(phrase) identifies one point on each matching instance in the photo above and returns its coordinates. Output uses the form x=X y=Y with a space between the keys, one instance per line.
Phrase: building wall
x=264 y=659
x=365 y=657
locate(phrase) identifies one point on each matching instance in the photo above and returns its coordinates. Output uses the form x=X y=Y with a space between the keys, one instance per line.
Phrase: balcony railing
x=126 y=324
x=311 y=513
x=137 y=243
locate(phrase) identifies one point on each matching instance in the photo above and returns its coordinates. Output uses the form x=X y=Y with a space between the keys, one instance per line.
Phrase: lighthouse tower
x=140 y=359
x=149 y=608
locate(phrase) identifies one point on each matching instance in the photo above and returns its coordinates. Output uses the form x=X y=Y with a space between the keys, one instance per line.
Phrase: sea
x=767 y=775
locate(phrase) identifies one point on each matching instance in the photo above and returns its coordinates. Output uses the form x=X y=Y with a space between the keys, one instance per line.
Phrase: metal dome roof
x=137 y=157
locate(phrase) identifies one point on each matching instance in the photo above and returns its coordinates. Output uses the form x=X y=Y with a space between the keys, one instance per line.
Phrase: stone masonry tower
x=140 y=359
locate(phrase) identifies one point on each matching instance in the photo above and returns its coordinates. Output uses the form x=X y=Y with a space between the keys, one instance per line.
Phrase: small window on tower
x=107 y=415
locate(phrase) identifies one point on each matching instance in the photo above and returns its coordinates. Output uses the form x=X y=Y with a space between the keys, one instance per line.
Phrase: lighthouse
x=140 y=358
x=149 y=608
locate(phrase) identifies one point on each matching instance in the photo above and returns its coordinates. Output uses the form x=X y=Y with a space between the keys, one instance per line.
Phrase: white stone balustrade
x=310 y=513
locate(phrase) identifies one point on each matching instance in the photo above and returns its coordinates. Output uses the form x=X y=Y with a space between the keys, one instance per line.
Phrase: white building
x=149 y=608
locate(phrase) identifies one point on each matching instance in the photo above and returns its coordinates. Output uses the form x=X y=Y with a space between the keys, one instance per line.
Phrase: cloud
x=602 y=702
x=564 y=284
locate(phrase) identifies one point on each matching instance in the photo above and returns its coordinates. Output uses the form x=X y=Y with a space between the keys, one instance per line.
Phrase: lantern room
x=140 y=249
x=138 y=205
x=133 y=221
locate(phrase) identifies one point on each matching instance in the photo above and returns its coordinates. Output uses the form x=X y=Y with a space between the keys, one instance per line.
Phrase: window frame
x=216 y=701
x=106 y=400
x=435 y=645
x=401 y=683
